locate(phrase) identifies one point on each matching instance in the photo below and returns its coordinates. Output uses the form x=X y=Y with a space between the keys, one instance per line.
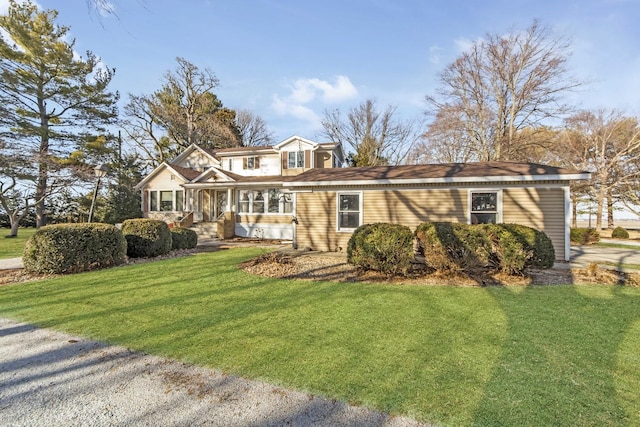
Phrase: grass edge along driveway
x=541 y=355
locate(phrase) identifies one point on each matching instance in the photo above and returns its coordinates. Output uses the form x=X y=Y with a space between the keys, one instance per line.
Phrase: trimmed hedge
x=183 y=238
x=146 y=238
x=510 y=248
x=540 y=246
x=584 y=236
x=387 y=248
x=453 y=247
x=619 y=233
x=72 y=248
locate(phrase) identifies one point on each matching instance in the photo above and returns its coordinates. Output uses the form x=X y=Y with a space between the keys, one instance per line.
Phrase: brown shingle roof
x=187 y=173
x=433 y=171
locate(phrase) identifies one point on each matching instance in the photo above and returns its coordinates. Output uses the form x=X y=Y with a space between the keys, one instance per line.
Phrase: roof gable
x=195 y=156
x=183 y=174
x=297 y=142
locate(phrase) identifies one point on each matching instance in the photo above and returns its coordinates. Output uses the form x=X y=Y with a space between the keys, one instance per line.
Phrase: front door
x=221 y=203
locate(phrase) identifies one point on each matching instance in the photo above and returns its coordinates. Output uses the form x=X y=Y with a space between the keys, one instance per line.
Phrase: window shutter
x=244 y=163
x=307 y=158
x=256 y=163
x=285 y=160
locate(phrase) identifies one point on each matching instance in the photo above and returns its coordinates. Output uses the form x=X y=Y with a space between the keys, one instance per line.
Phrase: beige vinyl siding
x=323 y=160
x=316 y=213
x=540 y=208
x=316 y=228
x=413 y=207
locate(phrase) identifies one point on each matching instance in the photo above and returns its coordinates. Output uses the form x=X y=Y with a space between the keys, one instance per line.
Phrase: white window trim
x=298 y=153
x=486 y=190
x=265 y=194
x=360 y=207
x=174 y=200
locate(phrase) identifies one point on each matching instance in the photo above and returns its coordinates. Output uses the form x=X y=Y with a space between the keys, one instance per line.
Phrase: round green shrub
x=584 y=236
x=146 y=238
x=387 y=248
x=453 y=247
x=510 y=248
x=183 y=238
x=620 y=233
x=72 y=248
x=536 y=243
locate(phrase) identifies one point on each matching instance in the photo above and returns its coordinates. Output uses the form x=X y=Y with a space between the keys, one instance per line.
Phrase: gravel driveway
x=49 y=378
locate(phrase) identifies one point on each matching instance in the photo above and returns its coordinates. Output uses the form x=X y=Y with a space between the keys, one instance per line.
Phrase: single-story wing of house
x=298 y=190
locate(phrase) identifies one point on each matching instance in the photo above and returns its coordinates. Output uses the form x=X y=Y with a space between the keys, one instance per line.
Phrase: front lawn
x=12 y=247
x=542 y=355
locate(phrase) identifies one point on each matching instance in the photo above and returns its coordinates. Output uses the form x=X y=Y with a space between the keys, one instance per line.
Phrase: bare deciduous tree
x=373 y=137
x=502 y=85
x=606 y=143
x=253 y=129
x=182 y=112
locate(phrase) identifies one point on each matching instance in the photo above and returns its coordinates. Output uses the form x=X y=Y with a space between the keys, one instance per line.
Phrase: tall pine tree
x=52 y=98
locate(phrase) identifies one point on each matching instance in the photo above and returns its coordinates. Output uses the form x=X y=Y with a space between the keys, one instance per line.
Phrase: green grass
x=521 y=356
x=12 y=248
x=617 y=245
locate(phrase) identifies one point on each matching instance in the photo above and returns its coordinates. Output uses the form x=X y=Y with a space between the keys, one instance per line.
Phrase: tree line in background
x=504 y=98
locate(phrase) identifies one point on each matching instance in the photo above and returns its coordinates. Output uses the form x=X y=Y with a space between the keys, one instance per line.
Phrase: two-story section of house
x=239 y=190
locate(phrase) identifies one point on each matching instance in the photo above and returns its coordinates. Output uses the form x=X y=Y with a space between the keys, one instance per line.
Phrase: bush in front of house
x=509 y=248
x=183 y=238
x=535 y=242
x=382 y=247
x=453 y=247
x=72 y=248
x=584 y=236
x=619 y=233
x=146 y=238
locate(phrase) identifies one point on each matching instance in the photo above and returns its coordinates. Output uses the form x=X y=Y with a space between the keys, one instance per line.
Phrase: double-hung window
x=166 y=200
x=296 y=159
x=349 y=211
x=485 y=207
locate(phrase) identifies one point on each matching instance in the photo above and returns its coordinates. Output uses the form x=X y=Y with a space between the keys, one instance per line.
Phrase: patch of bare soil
x=335 y=268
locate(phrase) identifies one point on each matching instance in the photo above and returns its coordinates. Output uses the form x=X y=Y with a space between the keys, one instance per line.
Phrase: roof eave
x=444 y=180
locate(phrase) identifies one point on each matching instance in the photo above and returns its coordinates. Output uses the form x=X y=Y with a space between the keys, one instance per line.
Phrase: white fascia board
x=215 y=171
x=444 y=180
x=278 y=146
x=153 y=173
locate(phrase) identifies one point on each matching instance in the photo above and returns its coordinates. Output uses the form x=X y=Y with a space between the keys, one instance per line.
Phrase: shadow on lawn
x=577 y=335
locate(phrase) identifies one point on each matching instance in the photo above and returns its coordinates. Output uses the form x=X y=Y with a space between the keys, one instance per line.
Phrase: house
x=297 y=190
x=239 y=190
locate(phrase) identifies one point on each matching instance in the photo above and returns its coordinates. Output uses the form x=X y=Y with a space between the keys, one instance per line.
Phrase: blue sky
x=290 y=60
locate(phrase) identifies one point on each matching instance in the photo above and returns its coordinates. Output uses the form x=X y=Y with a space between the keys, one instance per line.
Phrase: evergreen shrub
x=72 y=248
x=183 y=238
x=146 y=238
x=584 y=236
x=620 y=233
x=382 y=247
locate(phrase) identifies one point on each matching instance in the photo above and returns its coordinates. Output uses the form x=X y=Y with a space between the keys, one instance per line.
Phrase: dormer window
x=251 y=163
x=296 y=159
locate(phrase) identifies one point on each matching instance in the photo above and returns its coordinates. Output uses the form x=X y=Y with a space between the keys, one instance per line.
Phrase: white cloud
x=435 y=54
x=313 y=90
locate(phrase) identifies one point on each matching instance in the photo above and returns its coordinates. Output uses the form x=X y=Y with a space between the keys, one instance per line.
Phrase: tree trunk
x=610 y=223
x=14 y=228
x=599 y=208
x=43 y=165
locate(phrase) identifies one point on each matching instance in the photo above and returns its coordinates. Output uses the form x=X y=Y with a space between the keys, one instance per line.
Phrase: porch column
x=229 y=201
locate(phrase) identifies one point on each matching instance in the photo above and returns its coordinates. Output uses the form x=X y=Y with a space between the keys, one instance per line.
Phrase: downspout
x=294 y=221
x=567 y=223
